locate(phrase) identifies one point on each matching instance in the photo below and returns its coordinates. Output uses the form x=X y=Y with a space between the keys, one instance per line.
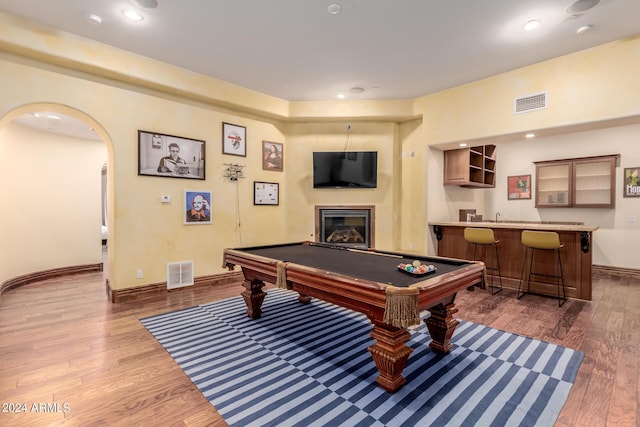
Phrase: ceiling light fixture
x=532 y=25
x=583 y=29
x=334 y=9
x=341 y=96
x=463 y=145
x=94 y=19
x=146 y=4
x=581 y=6
x=530 y=135
x=132 y=15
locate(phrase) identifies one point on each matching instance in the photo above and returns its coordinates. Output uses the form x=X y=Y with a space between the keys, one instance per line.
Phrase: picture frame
x=272 y=156
x=519 y=187
x=170 y=156
x=197 y=207
x=234 y=140
x=631 y=182
x=266 y=193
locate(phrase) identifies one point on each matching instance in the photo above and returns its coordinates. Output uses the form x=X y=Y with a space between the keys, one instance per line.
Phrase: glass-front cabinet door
x=587 y=182
x=595 y=181
x=553 y=183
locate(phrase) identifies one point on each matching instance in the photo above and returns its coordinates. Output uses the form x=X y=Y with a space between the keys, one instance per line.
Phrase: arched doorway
x=55 y=195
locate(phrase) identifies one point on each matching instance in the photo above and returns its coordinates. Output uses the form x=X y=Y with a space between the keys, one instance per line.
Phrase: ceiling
x=373 y=49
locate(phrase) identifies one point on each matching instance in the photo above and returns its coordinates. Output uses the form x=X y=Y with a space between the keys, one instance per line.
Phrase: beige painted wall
x=145 y=234
x=305 y=138
x=51 y=200
x=119 y=93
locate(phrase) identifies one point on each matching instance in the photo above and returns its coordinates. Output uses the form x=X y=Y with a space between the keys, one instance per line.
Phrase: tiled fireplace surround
x=351 y=226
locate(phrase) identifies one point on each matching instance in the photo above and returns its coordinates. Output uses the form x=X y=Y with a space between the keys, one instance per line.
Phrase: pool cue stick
x=374 y=253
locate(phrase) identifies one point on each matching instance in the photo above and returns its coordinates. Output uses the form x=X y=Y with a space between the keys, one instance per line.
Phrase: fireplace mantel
x=342 y=225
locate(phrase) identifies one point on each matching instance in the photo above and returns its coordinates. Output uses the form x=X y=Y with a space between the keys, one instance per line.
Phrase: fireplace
x=351 y=226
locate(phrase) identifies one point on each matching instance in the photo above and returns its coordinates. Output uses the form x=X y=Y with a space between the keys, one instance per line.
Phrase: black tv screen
x=345 y=169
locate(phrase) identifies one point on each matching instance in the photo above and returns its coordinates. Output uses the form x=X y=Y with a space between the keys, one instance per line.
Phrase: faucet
x=497 y=215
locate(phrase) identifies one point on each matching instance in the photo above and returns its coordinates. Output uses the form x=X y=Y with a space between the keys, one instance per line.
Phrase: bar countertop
x=517 y=225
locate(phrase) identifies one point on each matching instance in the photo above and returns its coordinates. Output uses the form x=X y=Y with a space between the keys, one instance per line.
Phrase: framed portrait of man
x=170 y=156
x=197 y=207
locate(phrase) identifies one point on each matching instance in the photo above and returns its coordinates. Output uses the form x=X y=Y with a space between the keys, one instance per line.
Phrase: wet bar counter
x=576 y=254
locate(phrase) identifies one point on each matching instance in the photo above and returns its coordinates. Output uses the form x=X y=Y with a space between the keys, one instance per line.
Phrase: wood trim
x=617 y=271
x=48 y=274
x=160 y=288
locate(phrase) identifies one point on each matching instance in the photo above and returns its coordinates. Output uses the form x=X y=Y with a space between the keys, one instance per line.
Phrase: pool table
x=367 y=281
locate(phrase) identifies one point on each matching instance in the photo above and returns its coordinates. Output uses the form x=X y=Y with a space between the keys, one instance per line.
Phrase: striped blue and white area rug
x=308 y=365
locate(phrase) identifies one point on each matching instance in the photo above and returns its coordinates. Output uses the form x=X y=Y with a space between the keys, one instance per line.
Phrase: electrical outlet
x=138 y=274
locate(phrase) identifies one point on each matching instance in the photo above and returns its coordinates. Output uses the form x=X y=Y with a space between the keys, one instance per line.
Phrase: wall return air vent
x=525 y=104
x=179 y=274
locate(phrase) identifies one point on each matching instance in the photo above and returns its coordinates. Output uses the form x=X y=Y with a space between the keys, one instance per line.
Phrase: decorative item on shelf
x=233 y=171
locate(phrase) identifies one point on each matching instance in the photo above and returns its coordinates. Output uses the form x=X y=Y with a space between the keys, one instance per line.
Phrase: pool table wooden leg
x=441 y=325
x=390 y=354
x=253 y=297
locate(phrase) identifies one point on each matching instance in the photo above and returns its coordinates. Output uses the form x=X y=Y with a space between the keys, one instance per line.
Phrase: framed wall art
x=197 y=207
x=631 y=182
x=272 y=156
x=265 y=193
x=518 y=187
x=170 y=156
x=234 y=140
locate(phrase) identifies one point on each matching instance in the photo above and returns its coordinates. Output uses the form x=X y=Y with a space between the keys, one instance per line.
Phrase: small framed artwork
x=197 y=207
x=272 y=156
x=265 y=193
x=170 y=156
x=631 y=182
x=234 y=140
x=519 y=187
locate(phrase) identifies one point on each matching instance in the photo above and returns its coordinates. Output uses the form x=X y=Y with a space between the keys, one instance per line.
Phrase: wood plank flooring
x=70 y=357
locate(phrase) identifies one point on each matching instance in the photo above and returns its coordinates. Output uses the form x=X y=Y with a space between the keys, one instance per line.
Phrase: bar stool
x=542 y=241
x=484 y=236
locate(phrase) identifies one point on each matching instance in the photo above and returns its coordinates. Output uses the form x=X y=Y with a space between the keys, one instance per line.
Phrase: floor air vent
x=528 y=103
x=179 y=274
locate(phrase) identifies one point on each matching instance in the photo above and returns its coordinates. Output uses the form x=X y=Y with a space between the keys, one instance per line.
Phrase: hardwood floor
x=71 y=357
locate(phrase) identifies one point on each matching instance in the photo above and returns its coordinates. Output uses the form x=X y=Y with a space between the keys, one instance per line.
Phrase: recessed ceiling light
x=463 y=145
x=532 y=25
x=334 y=9
x=581 y=6
x=341 y=96
x=94 y=19
x=147 y=4
x=583 y=29
x=530 y=135
x=132 y=15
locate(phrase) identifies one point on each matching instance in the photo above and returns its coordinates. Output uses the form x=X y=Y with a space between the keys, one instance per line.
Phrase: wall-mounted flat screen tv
x=345 y=169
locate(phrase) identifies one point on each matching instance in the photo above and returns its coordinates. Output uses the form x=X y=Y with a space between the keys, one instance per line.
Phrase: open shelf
x=470 y=167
